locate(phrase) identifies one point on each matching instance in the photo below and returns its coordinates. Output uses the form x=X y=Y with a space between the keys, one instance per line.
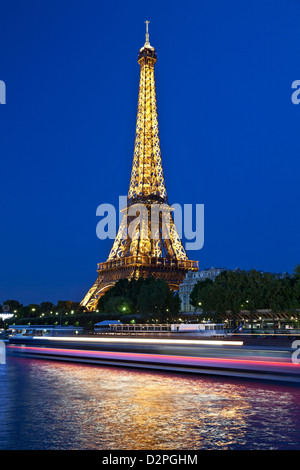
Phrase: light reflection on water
x=56 y=405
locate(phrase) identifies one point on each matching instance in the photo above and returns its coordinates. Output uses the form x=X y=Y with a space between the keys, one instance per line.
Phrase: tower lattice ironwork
x=147 y=242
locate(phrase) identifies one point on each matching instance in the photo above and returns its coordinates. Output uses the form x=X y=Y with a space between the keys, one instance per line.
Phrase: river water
x=47 y=405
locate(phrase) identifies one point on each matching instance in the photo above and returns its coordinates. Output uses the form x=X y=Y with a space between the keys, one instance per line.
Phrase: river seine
x=47 y=405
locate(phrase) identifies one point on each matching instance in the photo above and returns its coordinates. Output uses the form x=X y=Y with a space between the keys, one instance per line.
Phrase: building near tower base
x=189 y=282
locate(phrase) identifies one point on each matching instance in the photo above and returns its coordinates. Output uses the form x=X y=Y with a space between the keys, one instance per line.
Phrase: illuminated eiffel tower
x=146 y=248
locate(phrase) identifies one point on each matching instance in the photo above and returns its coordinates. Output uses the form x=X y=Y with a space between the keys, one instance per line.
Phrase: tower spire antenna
x=147 y=42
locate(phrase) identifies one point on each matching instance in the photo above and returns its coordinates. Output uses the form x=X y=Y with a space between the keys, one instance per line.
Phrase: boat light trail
x=251 y=364
x=190 y=342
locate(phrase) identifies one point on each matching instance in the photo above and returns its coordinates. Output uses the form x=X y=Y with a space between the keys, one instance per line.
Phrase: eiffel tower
x=149 y=248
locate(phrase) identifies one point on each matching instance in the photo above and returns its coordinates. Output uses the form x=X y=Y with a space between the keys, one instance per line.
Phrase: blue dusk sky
x=229 y=131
